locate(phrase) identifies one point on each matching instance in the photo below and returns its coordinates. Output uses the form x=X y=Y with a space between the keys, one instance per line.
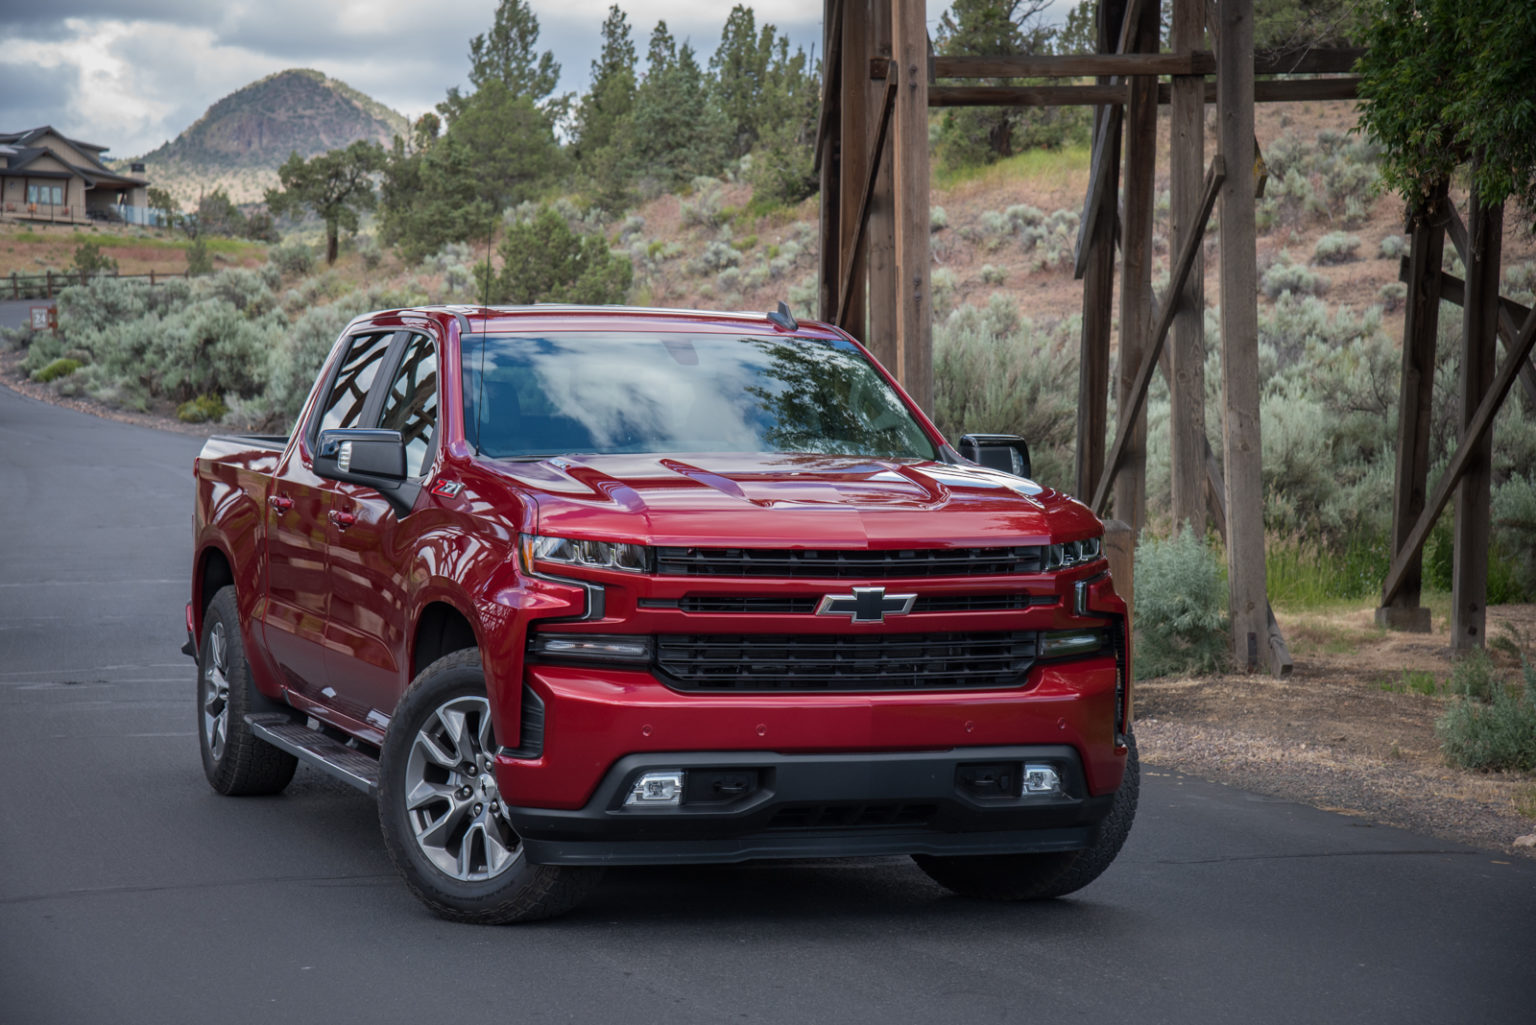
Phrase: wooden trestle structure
x=881 y=77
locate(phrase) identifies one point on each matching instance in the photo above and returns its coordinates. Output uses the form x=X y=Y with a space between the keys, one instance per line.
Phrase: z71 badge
x=447 y=488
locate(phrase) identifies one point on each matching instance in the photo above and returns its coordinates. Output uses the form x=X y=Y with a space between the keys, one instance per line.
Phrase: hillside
x=241 y=140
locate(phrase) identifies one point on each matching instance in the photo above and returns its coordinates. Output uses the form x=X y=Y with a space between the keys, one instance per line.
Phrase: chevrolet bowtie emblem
x=866 y=604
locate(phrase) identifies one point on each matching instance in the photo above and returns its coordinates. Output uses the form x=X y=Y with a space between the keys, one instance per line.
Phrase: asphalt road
x=130 y=892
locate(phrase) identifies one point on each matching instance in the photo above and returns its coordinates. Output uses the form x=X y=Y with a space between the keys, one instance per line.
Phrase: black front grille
x=738 y=604
x=842 y=662
x=759 y=606
x=844 y=564
x=852 y=816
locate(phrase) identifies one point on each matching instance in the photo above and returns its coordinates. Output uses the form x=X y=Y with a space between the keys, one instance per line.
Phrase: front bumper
x=950 y=802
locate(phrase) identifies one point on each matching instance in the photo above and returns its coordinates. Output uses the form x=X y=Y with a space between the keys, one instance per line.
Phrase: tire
x=235 y=760
x=1046 y=875
x=444 y=824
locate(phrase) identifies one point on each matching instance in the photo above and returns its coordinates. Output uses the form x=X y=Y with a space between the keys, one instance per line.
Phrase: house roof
x=19 y=149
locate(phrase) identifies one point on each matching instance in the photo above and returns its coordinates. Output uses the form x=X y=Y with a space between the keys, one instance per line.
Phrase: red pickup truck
x=568 y=587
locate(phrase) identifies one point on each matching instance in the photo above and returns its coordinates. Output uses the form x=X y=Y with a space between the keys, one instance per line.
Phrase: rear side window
x=410 y=407
x=344 y=406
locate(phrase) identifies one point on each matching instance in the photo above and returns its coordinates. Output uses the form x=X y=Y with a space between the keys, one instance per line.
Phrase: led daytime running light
x=1073 y=553
x=585 y=554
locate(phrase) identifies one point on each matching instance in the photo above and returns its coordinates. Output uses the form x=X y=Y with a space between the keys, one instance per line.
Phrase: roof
x=18 y=147
x=568 y=316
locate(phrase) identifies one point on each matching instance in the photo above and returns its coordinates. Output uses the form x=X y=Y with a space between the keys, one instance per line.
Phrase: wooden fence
x=43 y=286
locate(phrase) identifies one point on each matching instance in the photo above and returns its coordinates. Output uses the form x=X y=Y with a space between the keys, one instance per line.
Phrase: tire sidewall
x=221 y=612
x=445 y=680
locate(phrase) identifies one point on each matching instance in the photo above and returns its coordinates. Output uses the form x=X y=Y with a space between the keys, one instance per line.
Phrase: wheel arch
x=214 y=570
x=441 y=629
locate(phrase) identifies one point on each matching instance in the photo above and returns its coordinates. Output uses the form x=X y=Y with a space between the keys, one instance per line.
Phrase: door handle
x=343 y=520
x=282 y=503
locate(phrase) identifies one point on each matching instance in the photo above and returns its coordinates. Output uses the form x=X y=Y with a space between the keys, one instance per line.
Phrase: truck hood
x=753 y=500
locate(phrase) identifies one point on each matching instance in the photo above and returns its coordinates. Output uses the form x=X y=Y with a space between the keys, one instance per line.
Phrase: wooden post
x=1136 y=270
x=830 y=145
x=1187 y=354
x=1415 y=405
x=1469 y=572
x=1098 y=291
x=853 y=163
x=880 y=254
x=914 y=319
x=1239 y=339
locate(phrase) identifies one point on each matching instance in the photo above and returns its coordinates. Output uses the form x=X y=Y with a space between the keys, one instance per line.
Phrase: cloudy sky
x=131 y=74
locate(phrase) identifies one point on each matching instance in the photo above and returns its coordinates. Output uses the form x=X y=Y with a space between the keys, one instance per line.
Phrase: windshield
x=569 y=393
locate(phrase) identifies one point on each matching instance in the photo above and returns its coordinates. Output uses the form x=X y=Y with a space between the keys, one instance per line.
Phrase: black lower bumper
x=739 y=806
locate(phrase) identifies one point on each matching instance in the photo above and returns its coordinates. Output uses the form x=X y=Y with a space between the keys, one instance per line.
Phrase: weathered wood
x=1415 y=406
x=1139 y=196
x=1096 y=256
x=1190 y=61
x=828 y=163
x=881 y=224
x=1134 y=402
x=1185 y=60
x=1186 y=382
x=1117 y=35
x=832 y=64
x=1269 y=90
x=855 y=170
x=914 y=322
x=1239 y=333
x=1474 y=495
x=1471 y=439
x=870 y=165
x=1510 y=312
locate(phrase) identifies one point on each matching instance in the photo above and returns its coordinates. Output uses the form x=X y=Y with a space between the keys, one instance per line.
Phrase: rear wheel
x=1051 y=874
x=444 y=821
x=235 y=760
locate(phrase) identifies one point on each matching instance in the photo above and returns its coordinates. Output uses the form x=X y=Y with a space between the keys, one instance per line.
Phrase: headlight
x=566 y=551
x=1073 y=553
x=591 y=647
x=1067 y=643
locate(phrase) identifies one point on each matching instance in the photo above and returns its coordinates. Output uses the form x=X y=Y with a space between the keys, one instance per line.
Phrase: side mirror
x=375 y=458
x=1006 y=452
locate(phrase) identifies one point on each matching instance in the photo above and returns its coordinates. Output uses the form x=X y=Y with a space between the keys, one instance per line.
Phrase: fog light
x=657 y=790
x=1041 y=781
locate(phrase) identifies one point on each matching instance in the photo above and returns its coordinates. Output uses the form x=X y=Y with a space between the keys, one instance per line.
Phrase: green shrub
x=61 y=367
x=1392 y=295
x=89 y=260
x=292 y=258
x=1496 y=735
x=1336 y=247
x=938 y=219
x=1392 y=247
x=201 y=410
x=199 y=257
x=993 y=275
x=1180 y=620
x=1283 y=277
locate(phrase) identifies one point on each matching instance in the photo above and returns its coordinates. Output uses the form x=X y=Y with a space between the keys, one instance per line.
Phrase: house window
x=48 y=195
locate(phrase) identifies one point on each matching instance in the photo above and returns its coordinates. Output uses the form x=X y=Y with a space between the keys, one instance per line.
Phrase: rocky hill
x=243 y=138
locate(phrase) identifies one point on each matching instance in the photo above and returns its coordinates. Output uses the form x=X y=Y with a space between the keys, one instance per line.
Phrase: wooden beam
x=1510 y=312
x=1270 y=90
x=1139 y=195
x=910 y=176
x=1477 y=429
x=829 y=163
x=881 y=222
x=855 y=170
x=1415 y=405
x=1214 y=177
x=1242 y=449
x=1311 y=60
x=831 y=63
x=1472 y=530
x=1186 y=381
x=1194 y=62
x=871 y=165
x=1107 y=120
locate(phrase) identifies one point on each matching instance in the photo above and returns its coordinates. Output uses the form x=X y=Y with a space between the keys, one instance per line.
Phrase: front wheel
x=443 y=818
x=1044 y=875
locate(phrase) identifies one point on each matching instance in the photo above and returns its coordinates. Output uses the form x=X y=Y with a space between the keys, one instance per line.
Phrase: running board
x=329 y=756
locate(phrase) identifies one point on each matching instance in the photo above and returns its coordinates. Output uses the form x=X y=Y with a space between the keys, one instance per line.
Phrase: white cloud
x=130 y=74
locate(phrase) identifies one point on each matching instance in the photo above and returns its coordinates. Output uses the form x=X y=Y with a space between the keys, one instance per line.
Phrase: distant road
x=131 y=893
x=18 y=312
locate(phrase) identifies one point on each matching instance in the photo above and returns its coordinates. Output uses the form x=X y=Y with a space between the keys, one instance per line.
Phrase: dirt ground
x=1347 y=730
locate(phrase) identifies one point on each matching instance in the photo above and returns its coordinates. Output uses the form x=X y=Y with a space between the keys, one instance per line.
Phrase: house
x=46 y=176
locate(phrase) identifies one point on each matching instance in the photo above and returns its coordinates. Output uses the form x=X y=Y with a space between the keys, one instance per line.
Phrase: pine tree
x=678 y=133
x=543 y=260
x=738 y=73
x=602 y=134
x=335 y=185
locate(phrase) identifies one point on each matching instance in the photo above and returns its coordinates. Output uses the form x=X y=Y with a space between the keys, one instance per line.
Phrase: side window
x=411 y=405
x=349 y=395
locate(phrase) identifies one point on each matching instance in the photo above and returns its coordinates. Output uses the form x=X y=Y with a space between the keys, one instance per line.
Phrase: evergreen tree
x=602 y=135
x=790 y=102
x=678 y=133
x=506 y=55
x=738 y=75
x=335 y=185
x=545 y=261
x=430 y=196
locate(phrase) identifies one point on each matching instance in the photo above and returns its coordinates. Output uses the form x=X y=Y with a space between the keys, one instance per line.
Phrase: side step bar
x=329 y=756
